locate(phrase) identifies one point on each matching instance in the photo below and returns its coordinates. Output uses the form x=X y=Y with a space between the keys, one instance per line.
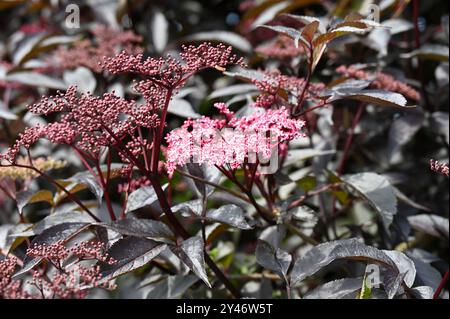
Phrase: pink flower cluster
x=74 y=283
x=380 y=81
x=86 y=121
x=73 y=280
x=439 y=167
x=232 y=140
x=169 y=72
x=56 y=251
x=90 y=250
x=9 y=288
x=105 y=42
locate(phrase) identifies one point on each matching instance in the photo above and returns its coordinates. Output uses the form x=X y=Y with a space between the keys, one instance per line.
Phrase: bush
x=257 y=149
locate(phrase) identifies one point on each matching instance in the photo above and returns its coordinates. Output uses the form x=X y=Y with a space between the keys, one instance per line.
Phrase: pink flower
x=85 y=121
x=231 y=141
x=439 y=167
x=169 y=72
x=9 y=288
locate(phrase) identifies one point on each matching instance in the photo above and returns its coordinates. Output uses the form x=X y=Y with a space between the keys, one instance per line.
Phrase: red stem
x=159 y=136
x=179 y=229
x=350 y=137
x=104 y=185
x=69 y=194
x=441 y=286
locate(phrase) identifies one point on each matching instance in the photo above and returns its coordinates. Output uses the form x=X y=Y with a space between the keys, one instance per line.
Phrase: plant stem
x=310 y=194
x=180 y=231
x=350 y=137
x=230 y=191
x=441 y=286
x=106 y=194
x=55 y=183
x=159 y=136
x=303 y=236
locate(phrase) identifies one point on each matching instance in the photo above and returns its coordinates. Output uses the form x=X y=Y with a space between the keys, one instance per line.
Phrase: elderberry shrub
x=266 y=152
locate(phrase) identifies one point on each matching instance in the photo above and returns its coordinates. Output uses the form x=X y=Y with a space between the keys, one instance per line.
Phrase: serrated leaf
x=304 y=217
x=82 y=78
x=25 y=47
x=182 y=108
x=380 y=97
x=8 y=242
x=392 y=283
x=402 y=131
x=53 y=220
x=433 y=225
x=248 y=75
x=397 y=26
x=426 y=274
x=309 y=30
x=105 y=11
x=377 y=191
x=193 y=207
x=336 y=33
x=83 y=180
x=273 y=235
x=423 y=292
x=141 y=197
x=191 y=253
x=305 y=20
x=203 y=171
x=272 y=258
x=435 y=52
x=172 y=287
x=338 y=289
x=307 y=183
x=130 y=253
x=147 y=228
x=78 y=182
x=30 y=197
x=324 y=254
x=404 y=264
x=233 y=90
x=229 y=214
x=214 y=230
x=36 y=79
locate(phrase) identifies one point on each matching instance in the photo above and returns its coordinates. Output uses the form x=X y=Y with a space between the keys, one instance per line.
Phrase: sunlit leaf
x=191 y=253
x=377 y=191
x=130 y=253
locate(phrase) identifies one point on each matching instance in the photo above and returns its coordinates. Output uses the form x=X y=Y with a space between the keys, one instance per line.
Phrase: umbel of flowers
x=232 y=140
x=87 y=123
